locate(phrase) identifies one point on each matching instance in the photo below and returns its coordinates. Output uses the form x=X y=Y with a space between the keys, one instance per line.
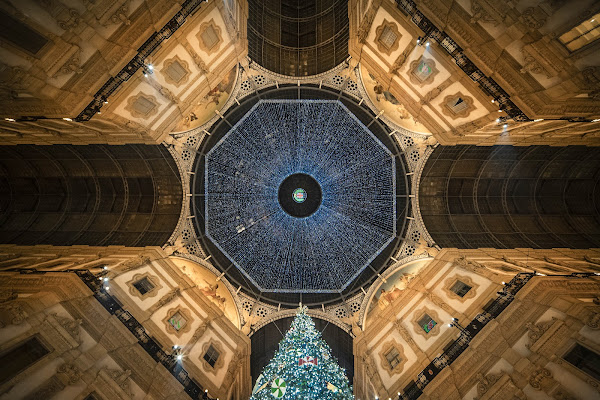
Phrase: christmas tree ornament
x=256 y=387
x=308 y=360
x=278 y=388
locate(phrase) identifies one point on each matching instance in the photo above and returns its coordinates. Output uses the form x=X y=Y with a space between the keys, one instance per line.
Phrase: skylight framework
x=325 y=251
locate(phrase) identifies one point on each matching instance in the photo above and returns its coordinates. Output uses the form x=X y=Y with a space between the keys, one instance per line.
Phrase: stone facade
x=87 y=46
x=515 y=45
x=518 y=354
x=92 y=348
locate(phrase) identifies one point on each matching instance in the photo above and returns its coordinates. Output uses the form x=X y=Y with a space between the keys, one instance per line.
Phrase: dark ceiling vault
x=510 y=197
x=93 y=195
x=298 y=37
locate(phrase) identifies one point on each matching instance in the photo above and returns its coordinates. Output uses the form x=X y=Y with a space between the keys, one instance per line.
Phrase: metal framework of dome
x=355 y=220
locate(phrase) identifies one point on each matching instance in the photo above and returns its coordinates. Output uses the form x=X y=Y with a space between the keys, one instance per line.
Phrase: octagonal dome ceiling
x=300 y=196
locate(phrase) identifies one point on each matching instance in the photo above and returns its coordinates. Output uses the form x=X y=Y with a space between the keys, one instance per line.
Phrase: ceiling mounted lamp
x=148 y=69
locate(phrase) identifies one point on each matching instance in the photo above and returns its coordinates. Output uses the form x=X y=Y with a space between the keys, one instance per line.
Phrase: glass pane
x=176 y=71
x=209 y=37
x=584 y=359
x=388 y=37
x=583 y=34
x=460 y=288
x=177 y=321
x=427 y=323
x=143 y=286
x=211 y=356
x=20 y=358
x=423 y=70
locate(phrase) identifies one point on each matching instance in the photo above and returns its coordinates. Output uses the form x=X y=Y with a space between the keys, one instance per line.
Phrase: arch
x=96 y=195
x=298 y=37
x=509 y=197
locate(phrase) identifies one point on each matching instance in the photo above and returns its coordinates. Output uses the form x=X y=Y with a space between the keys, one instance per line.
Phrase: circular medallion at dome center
x=299 y=195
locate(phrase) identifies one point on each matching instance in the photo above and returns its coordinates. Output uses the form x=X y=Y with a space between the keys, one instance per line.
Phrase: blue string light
x=325 y=251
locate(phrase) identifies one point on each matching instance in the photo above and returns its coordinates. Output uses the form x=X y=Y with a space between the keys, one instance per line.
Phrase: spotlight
x=500 y=110
x=105 y=279
x=148 y=69
x=497 y=120
x=10 y=119
x=98 y=112
x=175 y=347
x=538 y=120
x=505 y=126
x=493 y=100
x=179 y=357
x=67 y=119
x=504 y=283
x=596 y=120
x=427 y=44
x=105 y=267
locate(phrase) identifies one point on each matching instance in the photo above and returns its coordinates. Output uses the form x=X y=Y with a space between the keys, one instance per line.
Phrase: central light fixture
x=299 y=195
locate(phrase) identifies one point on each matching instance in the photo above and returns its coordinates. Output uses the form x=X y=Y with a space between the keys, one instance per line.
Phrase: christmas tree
x=302 y=368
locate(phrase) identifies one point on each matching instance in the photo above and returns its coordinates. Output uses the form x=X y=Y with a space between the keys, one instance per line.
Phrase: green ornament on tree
x=278 y=388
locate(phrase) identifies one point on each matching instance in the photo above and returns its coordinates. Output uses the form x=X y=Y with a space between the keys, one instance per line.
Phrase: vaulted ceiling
x=434 y=72
x=95 y=195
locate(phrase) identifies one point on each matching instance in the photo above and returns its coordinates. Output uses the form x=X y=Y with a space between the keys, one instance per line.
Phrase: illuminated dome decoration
x=316 y=151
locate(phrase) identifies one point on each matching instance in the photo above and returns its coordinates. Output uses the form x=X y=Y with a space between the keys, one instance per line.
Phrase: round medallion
x=300 y=195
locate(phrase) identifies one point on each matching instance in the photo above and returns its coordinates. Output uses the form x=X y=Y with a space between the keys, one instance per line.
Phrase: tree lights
x=302 y=368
